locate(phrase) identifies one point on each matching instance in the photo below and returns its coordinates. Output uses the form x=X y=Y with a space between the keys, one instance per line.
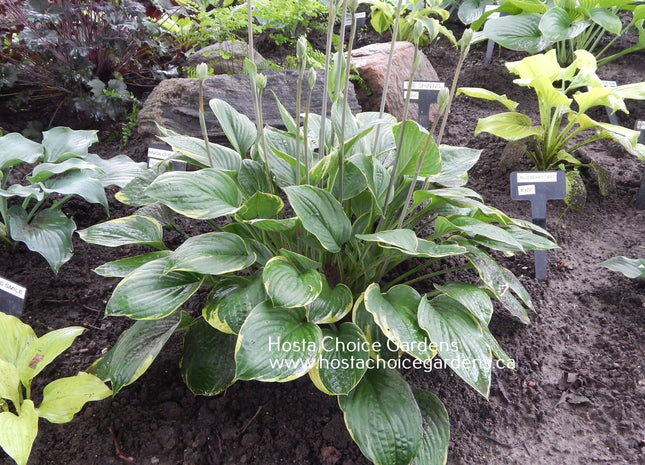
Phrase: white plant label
x=528 y=189
x=537 y=177
x=12 y=288
x=423 y=85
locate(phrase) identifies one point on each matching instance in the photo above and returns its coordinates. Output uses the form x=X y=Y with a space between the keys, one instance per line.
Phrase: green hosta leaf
x=124 y=266
x=44 y=171
x=135 y=350
x=436 y=430
x=473 y=228
x=383 y=418
x=134 y=229
x=9 y=383
x=354 y=182
x=208 y=359
x=321 y=214
x=284 y=225
x=556 y=25
x=15 y=337
x=231 y=301
x=133 y=193
x=206 y=194
x=459 y=340
x=331 y=305
x=376 y=175
x=49 y=233
x=379 y=345
x=16 y=148
x=520 y=32
x=471 y=10
x=508 y=126
x=485 y=94
x=150 y=293
x=211 y=253
x=194 y=151
x=62 y=143
x=606 y=19
x=402 y=239
x=239 y=129
x=252 y=177
x=300 y=261
x=34 y=191
x=42 y=351
x=116 y=171
x=396 y=314
x=64 y=397
x=343 y=360
x=17 y=433
x=415 y=145
x=261 y=205
x=472 y=297
x=287 y=286
x=630 y=267
x=276 y=344
x=81 y=183
x=456 y=161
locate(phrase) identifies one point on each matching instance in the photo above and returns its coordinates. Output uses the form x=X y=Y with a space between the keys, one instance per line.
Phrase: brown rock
x=173 y=104
x=371 y=63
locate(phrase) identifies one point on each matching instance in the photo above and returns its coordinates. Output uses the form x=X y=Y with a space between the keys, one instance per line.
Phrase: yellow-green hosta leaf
x=9 y=383
x=343 y=360
x=276 y=344
x=509 y=126
x=64 y=397
x=485 y=94
x=436 y=430
x=17 y=432
x=205 y=194
x=598 y=96
x=289 y=287
x=626 y=137
x=213 y=253
x=548 y=95
x=15 y=336
x=635 y=91
x=396 y=314
x=42 y=351
x=383 y=417
x=529 y=68
x=208 y=359
x=459 y=340
x=134 y=351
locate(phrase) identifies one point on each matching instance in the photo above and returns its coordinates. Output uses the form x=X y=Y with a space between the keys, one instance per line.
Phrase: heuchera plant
x=22 y=357
x=564 y=96
x=336 y=266
x=63 y=168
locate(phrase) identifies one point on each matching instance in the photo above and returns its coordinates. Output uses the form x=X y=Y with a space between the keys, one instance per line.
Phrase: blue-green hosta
x=311 y=265
x=535 y=25
x=23 y=356
x=564 y=95
x=64 y=168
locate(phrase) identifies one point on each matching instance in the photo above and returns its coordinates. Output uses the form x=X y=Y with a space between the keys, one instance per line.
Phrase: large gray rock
x=224 y=58
x=173 y=104
x=371 y=63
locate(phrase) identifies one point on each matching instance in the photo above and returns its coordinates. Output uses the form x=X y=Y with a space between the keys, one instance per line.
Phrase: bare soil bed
x=577 y=395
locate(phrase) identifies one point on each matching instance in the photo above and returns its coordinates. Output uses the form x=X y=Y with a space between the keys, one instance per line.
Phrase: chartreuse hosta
x=63 y=169
x=23 y=356
x=564 y=96
x=312 y=273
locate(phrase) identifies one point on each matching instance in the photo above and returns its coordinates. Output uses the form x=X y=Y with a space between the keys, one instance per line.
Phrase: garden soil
x=577 y=395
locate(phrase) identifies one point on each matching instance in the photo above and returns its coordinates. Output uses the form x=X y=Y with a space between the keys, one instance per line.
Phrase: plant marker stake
x=426 y=93
x=640 y=199
x=12 y=297
x=361 y=17
x=538 y=187
x=160 y=153
x=613 y=118
x=490 y=46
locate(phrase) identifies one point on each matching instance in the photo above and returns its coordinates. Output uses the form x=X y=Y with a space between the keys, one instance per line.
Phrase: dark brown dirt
x=577 y=395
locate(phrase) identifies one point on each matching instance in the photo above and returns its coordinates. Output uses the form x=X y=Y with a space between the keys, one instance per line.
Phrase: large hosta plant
x=338 y=267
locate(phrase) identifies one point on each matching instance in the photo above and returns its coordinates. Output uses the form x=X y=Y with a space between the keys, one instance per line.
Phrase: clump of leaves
x=534 y=25
x=31 y=207
x=23 y=356
x=564 y=96
x=81 y=52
